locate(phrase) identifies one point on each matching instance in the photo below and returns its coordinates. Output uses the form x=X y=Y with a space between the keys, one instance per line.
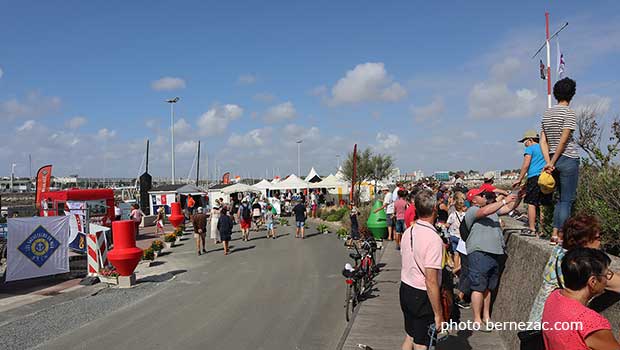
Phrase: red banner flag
x=44 y=176
x=226 y=178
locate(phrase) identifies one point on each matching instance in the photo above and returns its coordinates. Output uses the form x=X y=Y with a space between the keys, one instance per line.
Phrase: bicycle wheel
x=348 y=303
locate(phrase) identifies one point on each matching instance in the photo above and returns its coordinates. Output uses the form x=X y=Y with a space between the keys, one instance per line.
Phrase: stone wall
x=522 y=278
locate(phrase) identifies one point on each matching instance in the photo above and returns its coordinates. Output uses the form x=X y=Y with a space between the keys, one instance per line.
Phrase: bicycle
x=366 y=263
x=353 y=278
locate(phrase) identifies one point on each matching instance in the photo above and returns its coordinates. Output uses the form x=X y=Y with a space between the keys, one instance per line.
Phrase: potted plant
x=108 y=275
x=157 y=246
x=148 y=254
x=169 y=240
x=179 y=233
x=342 y=233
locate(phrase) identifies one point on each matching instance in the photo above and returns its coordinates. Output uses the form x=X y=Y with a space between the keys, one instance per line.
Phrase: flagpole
x=548 y=60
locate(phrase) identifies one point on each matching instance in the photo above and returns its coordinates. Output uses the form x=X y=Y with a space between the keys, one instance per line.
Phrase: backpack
x=245 y=212
x=464 y=230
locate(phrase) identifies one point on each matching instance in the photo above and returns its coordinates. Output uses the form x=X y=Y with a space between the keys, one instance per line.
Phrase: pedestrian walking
x=400 y=207
x=215 y=216
x=257 y=214
x=159 y=221
x=117 y=212
x=225 y=226
x=244 y=215
x=199 y=221
x=388 y=205
x=560 y=151
x=136 y=217
x=300 y=219
x=270 y=212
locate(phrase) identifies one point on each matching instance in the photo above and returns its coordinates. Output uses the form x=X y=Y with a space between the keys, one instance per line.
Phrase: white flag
x=560 y=64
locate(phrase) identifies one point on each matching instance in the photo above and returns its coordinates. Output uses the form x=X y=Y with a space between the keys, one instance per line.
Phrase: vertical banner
x=37 y=246
x=77 y=225
x=44 y=176
x=226 y=178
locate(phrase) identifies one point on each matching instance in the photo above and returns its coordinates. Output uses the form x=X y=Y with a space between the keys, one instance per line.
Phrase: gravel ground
x=61 y=318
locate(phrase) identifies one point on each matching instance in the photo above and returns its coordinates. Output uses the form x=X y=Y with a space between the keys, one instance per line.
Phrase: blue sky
x=439 y=86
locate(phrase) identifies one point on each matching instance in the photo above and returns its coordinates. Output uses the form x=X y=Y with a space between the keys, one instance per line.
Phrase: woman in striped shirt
x=560 y=151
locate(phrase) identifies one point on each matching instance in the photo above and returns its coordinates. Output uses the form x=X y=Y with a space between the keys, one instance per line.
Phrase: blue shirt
x=538 y=161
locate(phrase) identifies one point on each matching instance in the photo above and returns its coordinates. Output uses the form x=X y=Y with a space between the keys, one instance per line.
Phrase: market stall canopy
x=264 y=185
x=240 y=187
x=291 y=183
x=313 y=176
x=329 y=182
x=187 y=189
x=276 y=180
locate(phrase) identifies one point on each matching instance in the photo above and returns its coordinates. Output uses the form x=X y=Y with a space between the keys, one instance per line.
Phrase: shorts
x=454 y=242
x=270 y=226
x=400 y=226
x=483 y=271
x=197 y=235
x=417 y=312
x=391 y=220
x=245 y=224
x=533 y=194
x=300 y=224
x=463 y=276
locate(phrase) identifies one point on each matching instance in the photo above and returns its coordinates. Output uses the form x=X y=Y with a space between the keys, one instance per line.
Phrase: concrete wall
x=522 y=278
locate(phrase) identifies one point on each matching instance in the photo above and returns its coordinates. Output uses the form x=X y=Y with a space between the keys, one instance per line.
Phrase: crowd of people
x=457 y=236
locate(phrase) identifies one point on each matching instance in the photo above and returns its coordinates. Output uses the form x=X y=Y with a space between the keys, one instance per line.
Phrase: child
x=532 y=166
x=269 y=213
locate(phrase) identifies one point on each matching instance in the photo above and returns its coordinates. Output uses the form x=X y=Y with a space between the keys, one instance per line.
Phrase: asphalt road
x=268 y=294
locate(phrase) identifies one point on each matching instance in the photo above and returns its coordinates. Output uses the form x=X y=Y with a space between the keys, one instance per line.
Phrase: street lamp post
x=338 y=161
x=299 y=157
x=172 y=101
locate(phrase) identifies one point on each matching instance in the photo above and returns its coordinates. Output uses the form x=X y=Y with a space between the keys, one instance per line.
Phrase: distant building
x=442 y=175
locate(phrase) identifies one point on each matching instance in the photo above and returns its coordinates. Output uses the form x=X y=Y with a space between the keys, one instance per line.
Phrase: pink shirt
x=400 y=206
x=427 y=252
x=559 y=308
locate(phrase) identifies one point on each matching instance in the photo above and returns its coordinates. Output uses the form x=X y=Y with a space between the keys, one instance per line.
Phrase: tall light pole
x=299 y=157
x=338 y=160
x=172 y=101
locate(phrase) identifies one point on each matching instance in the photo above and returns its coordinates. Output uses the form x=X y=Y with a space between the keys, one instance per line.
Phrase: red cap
x=474 y=192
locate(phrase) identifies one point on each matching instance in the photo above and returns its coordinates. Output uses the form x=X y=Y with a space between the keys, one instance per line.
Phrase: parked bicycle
x=359 y=278
x=353 y=278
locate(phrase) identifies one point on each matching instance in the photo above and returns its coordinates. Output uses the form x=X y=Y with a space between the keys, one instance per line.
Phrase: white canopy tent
x=313 y=176
x=239 y=187
x=263 y=185
x=291 y=183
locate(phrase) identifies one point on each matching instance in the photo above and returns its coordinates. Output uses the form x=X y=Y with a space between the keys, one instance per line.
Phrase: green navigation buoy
x=377 y=222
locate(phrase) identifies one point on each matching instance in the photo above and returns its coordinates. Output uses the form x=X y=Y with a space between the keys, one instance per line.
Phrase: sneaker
x=463 y=304
x=397 y=247
x=204 y=251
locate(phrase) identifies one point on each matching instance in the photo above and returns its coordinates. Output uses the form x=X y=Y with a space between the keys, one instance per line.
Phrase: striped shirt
x=556 y=119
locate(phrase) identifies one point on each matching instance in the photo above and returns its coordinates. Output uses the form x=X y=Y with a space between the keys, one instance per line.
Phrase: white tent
x=263 y=185
x=291 y=183
x=329 y=182
x=313 y=176
x=340 y=174
x=239 y=187
x=276 y=180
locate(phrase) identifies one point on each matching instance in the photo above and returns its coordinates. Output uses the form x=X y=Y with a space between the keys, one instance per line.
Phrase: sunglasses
x=609 y=275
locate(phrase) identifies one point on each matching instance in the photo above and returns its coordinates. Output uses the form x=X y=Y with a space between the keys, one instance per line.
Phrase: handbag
x=533 y=339
x=445 y=294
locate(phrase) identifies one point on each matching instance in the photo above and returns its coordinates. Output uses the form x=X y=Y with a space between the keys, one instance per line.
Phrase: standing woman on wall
x=560 y=151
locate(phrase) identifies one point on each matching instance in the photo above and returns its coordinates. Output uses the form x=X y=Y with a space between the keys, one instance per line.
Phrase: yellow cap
x=546 y=182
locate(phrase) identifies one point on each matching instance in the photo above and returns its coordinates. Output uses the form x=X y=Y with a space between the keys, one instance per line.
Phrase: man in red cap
x=485 y=248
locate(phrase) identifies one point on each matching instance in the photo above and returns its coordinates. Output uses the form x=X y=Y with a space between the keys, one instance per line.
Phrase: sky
x=438 y=86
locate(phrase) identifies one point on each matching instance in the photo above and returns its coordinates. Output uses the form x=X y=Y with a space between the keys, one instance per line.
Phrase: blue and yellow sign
x=39 y=246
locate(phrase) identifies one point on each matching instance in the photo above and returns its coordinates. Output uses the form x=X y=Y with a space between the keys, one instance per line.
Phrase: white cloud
x=366 y=82
x=601 y=104
x=168 y=83
x=246 y=79
x=181 y=126
x=496 y=100
x=106 y=134
x=506 y=69
x=264 y=97
x=34 y=105
x=387 y=141
x=430 y=111
x=320 y=91
x=215 y=121
x=280 y=112
x=253 y=138
x=75 y=122
x=27 y=126
x=1 y=72
x=470 y=135
x=186 y=147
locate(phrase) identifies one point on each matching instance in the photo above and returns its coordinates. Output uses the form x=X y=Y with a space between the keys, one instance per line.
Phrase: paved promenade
x=379 y=320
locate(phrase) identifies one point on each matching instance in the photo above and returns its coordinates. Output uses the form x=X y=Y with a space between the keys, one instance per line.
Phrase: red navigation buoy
x=125 y=256
x=176 y=218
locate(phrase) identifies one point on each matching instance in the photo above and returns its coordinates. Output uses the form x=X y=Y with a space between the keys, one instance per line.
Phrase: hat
x=546 y=182
x=474 y=192
x=385 y=188
x=199 y=209
x=489 y=175
x=530 y=134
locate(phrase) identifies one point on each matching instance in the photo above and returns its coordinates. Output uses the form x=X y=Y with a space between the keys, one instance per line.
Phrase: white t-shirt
x=390 y=202
x=454 y=222
x=117 y=211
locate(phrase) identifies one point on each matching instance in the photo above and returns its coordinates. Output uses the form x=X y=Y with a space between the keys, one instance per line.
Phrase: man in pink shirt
x=400 y=207
x=422 y=257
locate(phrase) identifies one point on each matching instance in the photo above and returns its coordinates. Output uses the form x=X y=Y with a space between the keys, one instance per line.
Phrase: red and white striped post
x=548 y=60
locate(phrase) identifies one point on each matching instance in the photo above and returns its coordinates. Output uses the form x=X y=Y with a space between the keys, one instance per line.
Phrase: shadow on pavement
x=161 y=277
x=236 y=250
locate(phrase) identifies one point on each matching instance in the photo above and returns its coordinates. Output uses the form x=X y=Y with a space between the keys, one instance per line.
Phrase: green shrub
x=342 y=232
x=333 y=218
x=598 y=193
